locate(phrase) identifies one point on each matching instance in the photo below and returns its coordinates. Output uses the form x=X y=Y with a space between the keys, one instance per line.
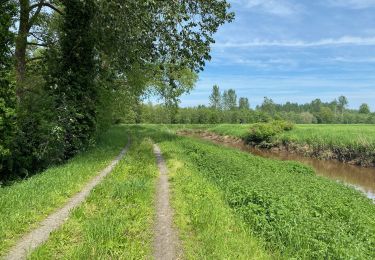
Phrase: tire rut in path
x=166 y=242
x=39 y=235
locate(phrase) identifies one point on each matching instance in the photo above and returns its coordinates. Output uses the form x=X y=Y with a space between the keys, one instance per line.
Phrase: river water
x=361 y=178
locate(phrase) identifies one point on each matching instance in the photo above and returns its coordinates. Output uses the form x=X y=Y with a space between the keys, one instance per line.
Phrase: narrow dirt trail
x=39 y=235
x=166 y=243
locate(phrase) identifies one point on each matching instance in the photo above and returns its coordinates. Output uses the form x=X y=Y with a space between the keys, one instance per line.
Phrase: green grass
x=24 y=204
x=207 y=226
x=296 y=213
x=116 y=220
x=339 y=135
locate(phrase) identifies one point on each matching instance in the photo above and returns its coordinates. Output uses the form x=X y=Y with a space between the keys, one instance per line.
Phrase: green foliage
x=364 y=109
x=215 y=98
x=243 y=103
x=75 y=94
x=229 y=99
x=326 y=115
x=7 y=89
x=265 y=132
x=160 y=32
x=296 y=213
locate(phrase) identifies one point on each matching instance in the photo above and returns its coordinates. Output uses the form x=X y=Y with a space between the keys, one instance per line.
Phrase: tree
x=215 y=98
x=343 y=102
x=315 y=105
x=326 y=115
x=229 y=99
x=75 y=94
x=244 y=104
x=170 y=86
x=29 y=16
x=268 y=106
x=364 y=109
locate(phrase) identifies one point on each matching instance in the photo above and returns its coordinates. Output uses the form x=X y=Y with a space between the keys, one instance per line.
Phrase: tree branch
x=37 y=44
x=42 y=4
x=35 y=58
x=35 y=15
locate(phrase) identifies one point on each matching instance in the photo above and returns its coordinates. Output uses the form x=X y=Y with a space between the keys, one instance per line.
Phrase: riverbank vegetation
x=354 y=144
x=284 y=205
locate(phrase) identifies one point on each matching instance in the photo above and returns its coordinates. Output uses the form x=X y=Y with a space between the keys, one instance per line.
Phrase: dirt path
x=39 y=235
x=166 y=243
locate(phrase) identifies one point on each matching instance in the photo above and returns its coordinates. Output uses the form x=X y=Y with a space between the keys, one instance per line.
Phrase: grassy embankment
x=293 y=212
x=348 y=143
x=115 y=222
x=24 y=204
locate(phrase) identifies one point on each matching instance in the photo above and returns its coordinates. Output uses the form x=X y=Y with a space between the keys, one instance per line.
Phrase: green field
x=228 y=204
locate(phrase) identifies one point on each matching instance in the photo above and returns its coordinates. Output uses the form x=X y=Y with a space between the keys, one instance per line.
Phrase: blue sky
x=294 y=50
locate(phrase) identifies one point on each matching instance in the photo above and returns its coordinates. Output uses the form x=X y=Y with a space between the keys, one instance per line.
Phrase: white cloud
x=346 y=40
x=276 y=7
x=352 y=4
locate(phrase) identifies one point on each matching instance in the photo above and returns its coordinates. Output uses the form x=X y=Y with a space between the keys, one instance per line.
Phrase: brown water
x=361 y=178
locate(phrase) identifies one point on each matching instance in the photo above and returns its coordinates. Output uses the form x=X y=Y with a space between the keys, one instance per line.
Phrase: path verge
x=39 y=235
x=166 y=243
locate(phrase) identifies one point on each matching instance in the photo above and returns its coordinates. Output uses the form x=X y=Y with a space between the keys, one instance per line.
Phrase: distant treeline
x=225 y=107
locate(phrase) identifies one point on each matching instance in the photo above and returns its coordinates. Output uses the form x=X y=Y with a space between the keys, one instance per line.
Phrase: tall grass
x=207 y=226
x=355 y=136
x=24 y=204
x=354 y=143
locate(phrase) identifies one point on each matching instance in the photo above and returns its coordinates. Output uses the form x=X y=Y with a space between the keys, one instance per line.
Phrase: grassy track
x=296 y=213
x=116 y=220
x=24 y=204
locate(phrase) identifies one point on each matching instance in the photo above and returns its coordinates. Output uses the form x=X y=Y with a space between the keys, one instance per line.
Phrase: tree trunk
x=21 y=45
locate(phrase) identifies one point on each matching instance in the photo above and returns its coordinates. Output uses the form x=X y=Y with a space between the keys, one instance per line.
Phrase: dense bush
x=264 y=132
